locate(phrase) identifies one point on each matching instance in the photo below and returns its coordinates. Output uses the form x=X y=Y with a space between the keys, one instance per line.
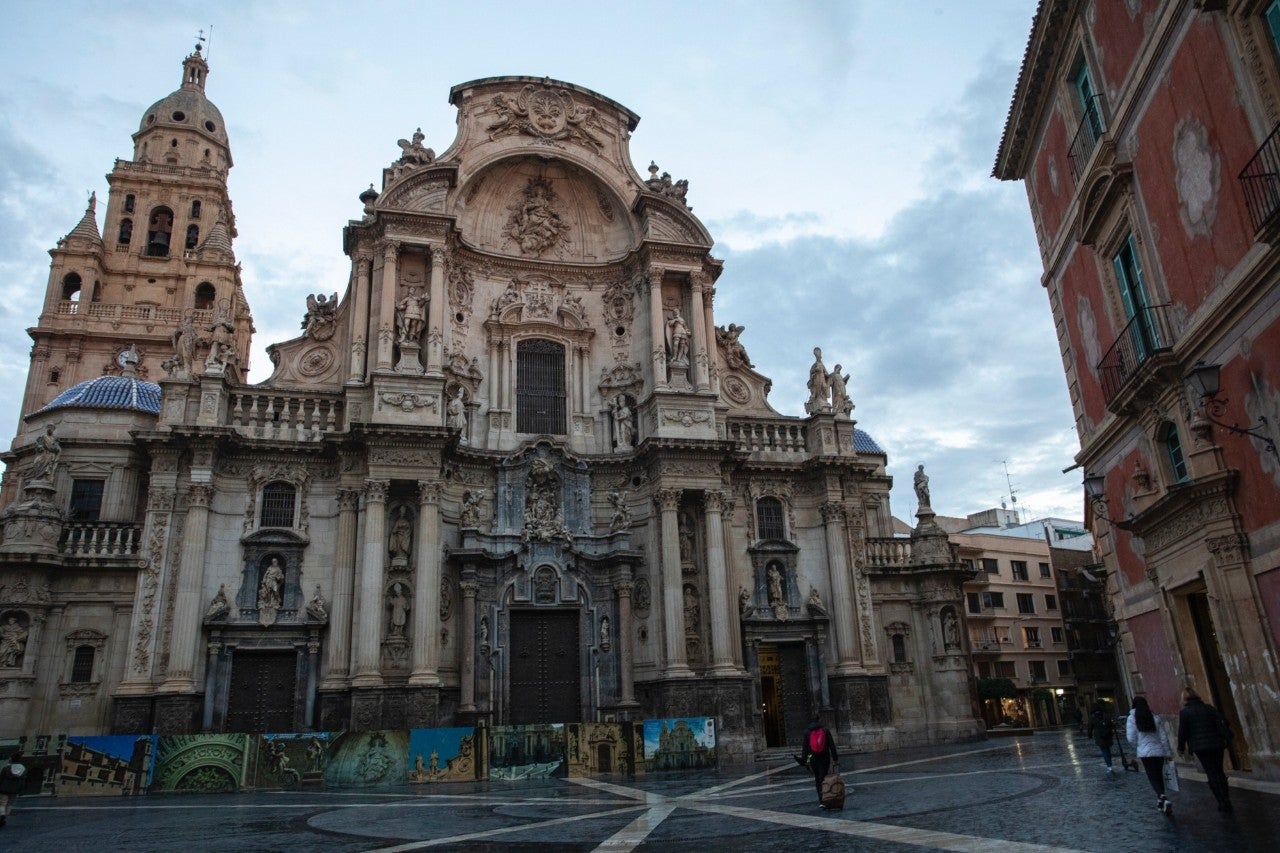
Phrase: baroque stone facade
x=515 y=472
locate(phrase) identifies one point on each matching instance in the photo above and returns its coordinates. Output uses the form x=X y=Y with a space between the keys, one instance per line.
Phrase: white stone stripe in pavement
x=502 y=830
x=633 y=834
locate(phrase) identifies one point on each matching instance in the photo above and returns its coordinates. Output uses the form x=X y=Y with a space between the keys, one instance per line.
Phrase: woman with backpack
x=1101 y=733
x=1144 y=731
x=1203 y=728
x=819 y=753
x=12 y=779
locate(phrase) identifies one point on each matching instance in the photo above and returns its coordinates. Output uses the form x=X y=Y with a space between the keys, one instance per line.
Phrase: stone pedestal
x=178 y=714
x=32 y=528
x=410 y=362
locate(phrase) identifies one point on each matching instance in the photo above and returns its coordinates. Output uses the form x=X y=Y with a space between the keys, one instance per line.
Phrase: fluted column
x=369 y=620
x=360 y=323
x=387 y=306
x=435 y=314
x=426 y=595
x=718 y=587
x=338 y=650
x=185 y=633
x=657 y=328
x=847 y=652
x=626 y=675
x=708 y=320
x=467 y=682
x=701 y=358
x=672 y=584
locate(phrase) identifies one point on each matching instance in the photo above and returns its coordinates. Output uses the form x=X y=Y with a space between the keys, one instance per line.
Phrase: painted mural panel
x=112 y=765
x=684 y=743
x=42 y=756
x=605 y=749
x=368 y=760
x=535 y=751
x=443 y=755
x=291 y=761
x=200 y=764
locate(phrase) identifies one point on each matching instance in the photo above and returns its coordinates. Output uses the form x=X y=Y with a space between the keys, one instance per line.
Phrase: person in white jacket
x=1152 y=746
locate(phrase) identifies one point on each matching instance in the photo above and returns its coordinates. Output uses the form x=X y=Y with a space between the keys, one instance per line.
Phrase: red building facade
x=1146 y=134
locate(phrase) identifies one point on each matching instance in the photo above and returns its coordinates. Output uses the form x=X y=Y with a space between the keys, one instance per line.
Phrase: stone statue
x=685 y=529
x=414 y=152
x=691 y=609
x=398 y=602
x=484 y=630
x=677 y=338
x=744 y=601
x=319 y=322
x=456 y=415
x=401 y=539
x=270 y=587
x=219 y=607
x=776 y=595
x=534 y=224
x=13 y=642
x=222 y=351
x=411 y=316
x=185 y=338
x=471 y=501
x=621 y=514
x=735 y=354
x=317 y=607
x=623 y=431
x=819 y=389
x=950 y=629
x=921 y=483
x=814 y=603
x=48 y=449
x=840 y=402
x=604 y=633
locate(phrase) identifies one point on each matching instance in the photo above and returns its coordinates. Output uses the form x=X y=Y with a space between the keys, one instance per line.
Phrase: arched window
x=71 y=285
x=128 y=203
x=899 y=648
x=1173 y=447
x=193 y=236
x=159 y=230
x=195 y=209
x=126 y=232
x=205 y=294
x=540 y=387
x=770 y=521
x=82 y=665
x=278 y=501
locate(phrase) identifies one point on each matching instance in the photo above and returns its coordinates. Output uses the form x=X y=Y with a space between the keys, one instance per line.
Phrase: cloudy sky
x=838 y=152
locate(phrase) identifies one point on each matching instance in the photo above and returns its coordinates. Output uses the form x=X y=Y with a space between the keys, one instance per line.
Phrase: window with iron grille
x=990 y=566
x=1026 y=603
x=1044 y=570
x=540 y=389
x=769 y=519
x=899 y=648
x=1031 y=637
x=1050 y=602
x=278 y=500
x=1038 y=673
x=86 y=500
x=82 y=665
x=1019 y=569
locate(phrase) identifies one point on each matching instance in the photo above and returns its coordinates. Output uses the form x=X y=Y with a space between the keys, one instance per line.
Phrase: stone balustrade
x=769 y=436
x=888 y=552
x=118 y=312
x=100 y=539
x=290 y=417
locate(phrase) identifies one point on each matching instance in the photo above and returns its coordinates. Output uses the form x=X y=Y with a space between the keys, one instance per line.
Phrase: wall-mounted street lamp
x=1095 y=488
x=1204 y=380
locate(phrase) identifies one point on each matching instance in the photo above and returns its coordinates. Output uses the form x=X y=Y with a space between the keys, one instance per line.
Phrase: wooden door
x=263 y=693
x=545 y=671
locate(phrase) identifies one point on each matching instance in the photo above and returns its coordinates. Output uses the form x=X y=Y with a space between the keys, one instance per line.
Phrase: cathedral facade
x=513 y=473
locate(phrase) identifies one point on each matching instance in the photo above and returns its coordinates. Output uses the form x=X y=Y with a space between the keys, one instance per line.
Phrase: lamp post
x=1205 y=380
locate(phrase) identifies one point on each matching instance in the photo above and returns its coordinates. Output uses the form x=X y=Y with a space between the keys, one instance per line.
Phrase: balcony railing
x=767 y=436
x=1260 y=180
x=100 y=539
x=888 y=552
x=1150 y=331
x=1092 y=125
x=118 y=312
x=283 y=416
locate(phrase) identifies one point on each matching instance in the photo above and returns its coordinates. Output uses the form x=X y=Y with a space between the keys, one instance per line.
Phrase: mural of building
x=512 y=472
x=119 y=764
x=1146 y=135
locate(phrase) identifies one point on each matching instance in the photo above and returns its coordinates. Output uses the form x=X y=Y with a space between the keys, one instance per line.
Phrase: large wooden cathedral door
x=796 y=707
x=262 y=695
x=545 y=670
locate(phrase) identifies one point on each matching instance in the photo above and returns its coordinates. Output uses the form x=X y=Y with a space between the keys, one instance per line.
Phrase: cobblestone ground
x=1045 y=792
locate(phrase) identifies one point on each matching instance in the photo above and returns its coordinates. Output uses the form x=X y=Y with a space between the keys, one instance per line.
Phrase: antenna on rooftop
x=1013 y=494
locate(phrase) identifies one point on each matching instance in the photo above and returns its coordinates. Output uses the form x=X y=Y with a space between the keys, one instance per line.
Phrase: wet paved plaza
x=1042 y=792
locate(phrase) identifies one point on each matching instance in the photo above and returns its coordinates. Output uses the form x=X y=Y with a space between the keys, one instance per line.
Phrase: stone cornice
x=1187 y=508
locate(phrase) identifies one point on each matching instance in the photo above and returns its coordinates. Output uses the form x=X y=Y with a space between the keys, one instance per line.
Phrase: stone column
x=701 y=357
x=313 y=675
x=387 y=306
x=657 y=330
x=717 y=587
x=847 y=651
x=360 y=323
x=426 y=596
x=185 y=631
x=495 y=354
x=708 y=320
x=626 y=677
x=369 y=620
x=210 y=683
x=338 y=652
x=668 y=501
x=435 y=314
x=153 y=552
x=467 y=627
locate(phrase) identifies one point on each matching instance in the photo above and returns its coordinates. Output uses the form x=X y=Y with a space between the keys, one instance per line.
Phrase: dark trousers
x=819 y=764
x=1155 y=773
x=1211 y=761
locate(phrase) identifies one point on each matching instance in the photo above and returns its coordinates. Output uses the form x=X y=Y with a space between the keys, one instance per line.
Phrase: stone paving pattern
x=1045 y=792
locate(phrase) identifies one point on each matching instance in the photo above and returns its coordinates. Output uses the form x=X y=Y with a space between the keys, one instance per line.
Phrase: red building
x=1148 y=136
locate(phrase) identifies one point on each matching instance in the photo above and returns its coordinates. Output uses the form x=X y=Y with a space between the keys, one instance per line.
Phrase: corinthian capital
x=667 y=499
x=375 y=491
x=199 y=495
x=428 y=492
x=716 y=500
x=832 y=512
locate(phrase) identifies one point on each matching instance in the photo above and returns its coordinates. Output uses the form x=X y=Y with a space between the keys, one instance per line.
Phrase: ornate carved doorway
x=262 y=692
x=545 y=671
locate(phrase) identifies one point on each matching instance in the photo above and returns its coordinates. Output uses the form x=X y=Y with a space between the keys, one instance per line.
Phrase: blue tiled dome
x=110 y=392
x=864 y=443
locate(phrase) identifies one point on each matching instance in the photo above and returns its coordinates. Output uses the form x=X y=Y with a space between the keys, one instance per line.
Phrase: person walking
x=1203 y=730
x=1144 y=731
x=819 y=753
x=1102 y=733
x=12 y=779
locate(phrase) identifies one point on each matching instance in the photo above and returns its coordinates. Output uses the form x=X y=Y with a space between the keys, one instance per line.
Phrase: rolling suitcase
x=833 y=790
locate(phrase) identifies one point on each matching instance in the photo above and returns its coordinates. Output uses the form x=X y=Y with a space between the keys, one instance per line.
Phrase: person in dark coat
x=1102 y=733
x=1203 y=730
x=819 y=761
x=13 y=778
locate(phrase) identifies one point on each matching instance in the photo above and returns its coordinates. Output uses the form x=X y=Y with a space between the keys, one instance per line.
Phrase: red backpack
x=818 y=741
